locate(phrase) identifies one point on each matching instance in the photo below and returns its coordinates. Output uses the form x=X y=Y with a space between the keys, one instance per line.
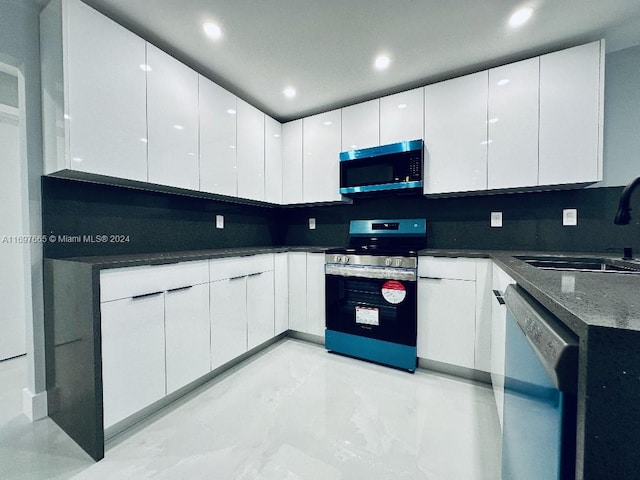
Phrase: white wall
x=12 y=254
x=20 y=47
x=621 y=117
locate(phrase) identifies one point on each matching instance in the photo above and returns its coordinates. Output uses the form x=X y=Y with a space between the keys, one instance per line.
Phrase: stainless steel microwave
x=397 y=166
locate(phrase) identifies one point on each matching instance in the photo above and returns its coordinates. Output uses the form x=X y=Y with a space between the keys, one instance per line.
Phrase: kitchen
x=167 y=219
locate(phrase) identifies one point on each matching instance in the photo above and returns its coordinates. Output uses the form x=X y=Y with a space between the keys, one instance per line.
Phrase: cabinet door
x=402 y=116
x=217 y=110
x=500 y=281
x=321 y=146
x=298 y=291
x=316 y=318
x=455 y=134
x=172 y=99
x=250 y=152
x=483 y=298
x=106 y=92
x=260 y=308
x=446 y=321
x=571 y=101
x=228 y=320
x=133 y=356
x=513 y=125
x=292 y=162
x=281 y=293
x=272 y=160
x=361 y=125
x=187 y=330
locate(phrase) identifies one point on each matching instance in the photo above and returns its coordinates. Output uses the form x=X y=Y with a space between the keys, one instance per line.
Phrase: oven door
x=381 y=309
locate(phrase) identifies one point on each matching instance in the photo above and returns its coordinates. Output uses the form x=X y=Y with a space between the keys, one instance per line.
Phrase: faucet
x=624 y=210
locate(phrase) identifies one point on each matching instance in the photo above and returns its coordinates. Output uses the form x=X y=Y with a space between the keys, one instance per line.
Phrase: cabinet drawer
x=222 y=268
x=132 y=281
x=449 y=268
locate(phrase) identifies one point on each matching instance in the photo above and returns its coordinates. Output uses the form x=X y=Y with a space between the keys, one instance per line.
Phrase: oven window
x=358 y=306
x=369 y=174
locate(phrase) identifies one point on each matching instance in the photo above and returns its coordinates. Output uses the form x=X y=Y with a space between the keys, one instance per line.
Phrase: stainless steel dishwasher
x=539 y=434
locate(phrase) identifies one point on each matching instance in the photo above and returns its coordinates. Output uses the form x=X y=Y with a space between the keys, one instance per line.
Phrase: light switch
x=496 y=219
x=570 y=217
x=312 y=223
x=219 y=221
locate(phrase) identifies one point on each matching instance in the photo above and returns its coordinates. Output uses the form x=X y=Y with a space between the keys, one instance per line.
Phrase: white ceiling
x=326 y=48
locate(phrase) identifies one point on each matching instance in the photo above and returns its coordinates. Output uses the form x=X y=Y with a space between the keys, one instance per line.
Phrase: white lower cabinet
x=186 y=316
x=298 y=291
x=228 y=319
x=260 y=308
x=315 y=294
x=500 y=282
x=242 y=305
x=454 y=311
x=133 y=355
x=446 y=320
x=306 y=293
x=281 y=292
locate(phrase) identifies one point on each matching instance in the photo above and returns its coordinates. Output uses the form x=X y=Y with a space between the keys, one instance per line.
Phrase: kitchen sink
x=581 y=264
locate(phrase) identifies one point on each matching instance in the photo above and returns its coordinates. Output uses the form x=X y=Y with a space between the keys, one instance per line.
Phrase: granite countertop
x=580 y=300
x=139 y=259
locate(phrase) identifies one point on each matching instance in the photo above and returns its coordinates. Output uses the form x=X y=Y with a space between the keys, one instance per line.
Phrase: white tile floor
x=292 y=412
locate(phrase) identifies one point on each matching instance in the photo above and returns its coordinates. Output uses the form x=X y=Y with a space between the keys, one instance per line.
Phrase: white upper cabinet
x=455 y=133
x=513 y=125
x=217 y=110
x=402 y=116
x=172 y=98
x=250 y=152
x=321 y=151
x=292 y=162
x=93 y=85
x=571 y=109
x=361 y=125
x=272 y=160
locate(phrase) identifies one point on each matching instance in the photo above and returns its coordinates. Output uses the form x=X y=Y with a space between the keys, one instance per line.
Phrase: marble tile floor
x=294 y=411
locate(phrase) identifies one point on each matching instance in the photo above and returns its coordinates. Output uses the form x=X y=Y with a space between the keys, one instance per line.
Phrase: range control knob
x=397 y=262
x=338 y=259
x=345 y=259
x=388 y=261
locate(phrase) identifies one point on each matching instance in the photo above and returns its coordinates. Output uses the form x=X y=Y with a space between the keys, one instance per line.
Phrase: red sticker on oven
x=394 y=292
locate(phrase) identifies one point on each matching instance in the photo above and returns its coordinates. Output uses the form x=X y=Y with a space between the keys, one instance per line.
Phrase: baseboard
x=307 y=337
x=455 y=371
x=34 y=406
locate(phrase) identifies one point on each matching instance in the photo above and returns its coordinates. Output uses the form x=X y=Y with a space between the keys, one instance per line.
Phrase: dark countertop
x=579 y=299
x=138 y=259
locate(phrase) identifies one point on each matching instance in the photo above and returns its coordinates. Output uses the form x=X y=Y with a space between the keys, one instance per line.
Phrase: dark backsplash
x=153 y=222
x=160 y=222
x=531 y=221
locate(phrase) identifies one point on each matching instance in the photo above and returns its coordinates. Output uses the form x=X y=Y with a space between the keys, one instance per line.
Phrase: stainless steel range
x=371 y=292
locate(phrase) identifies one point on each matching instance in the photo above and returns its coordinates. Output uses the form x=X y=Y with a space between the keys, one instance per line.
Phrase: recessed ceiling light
x=277 y=135
x=289 y=92
x=503 y=82
x=212 y=30
x=402 y=105
x=178 y=127
x=328 y=122
x=520 y=17
x=231 y=111
x=144 y=140
x=353 y=147
x=493 y=120
x=145 y=67
x=382 y=62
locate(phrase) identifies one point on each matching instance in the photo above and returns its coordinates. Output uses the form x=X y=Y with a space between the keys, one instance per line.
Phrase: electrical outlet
x=312 y=223
x=570 y=217
x=219 y=221
x=496 y=219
